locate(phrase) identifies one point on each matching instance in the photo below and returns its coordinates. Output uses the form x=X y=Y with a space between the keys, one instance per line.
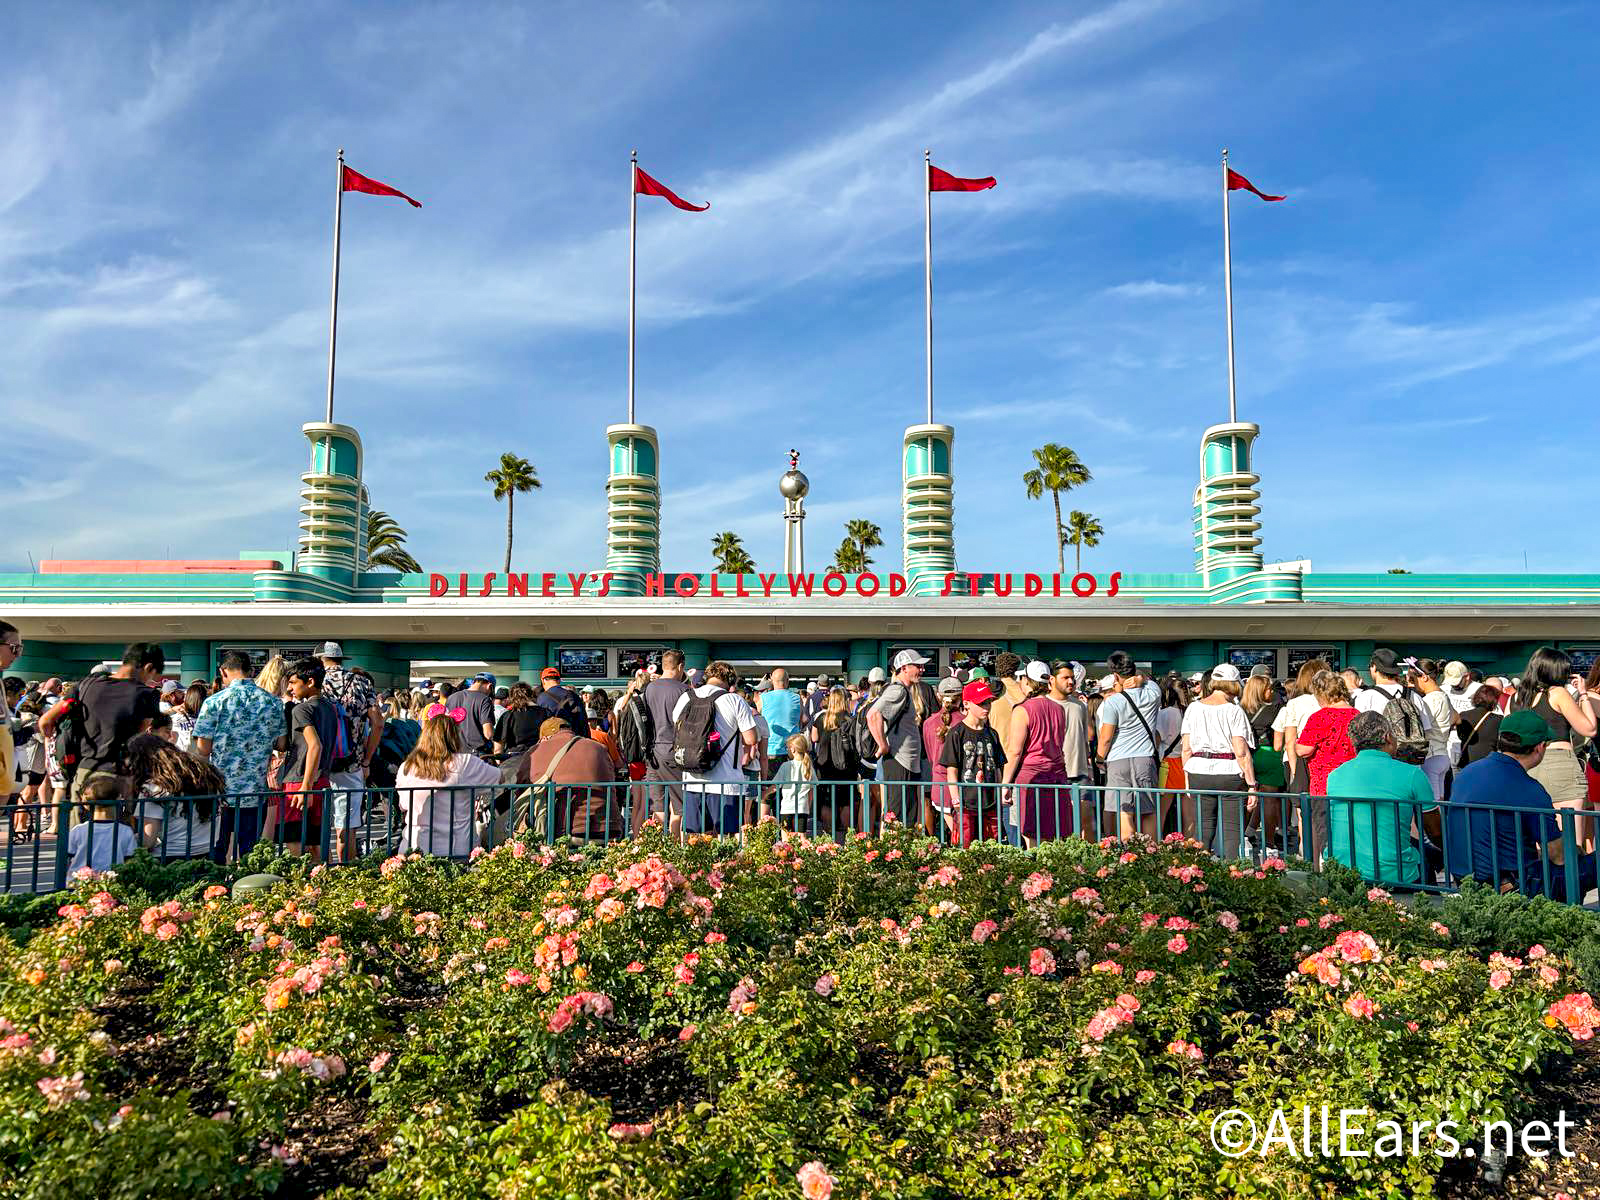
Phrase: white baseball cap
x=330 y=650
x=876 y=675
x=1454 y=672
x=910 y=658
x=1107 y=682
x=1037 y=671
x=1197 y=677
x=1226 y=672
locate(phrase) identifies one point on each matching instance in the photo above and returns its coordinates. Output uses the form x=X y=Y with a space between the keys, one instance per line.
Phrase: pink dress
x=1043 y=766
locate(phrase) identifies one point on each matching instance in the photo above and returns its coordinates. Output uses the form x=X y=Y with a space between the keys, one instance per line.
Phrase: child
x=972 y=755
x=796 y=780
x=102 y=842
x=177 y=797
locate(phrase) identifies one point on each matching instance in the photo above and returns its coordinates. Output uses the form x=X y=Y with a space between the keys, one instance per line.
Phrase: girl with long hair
x=1544 y=690
x=795 y=782
x=177 y=797
x=837 y=757
x=1292 y=718
x=934 y=731
x=1261 y=708
x=185 y=715
x=1321 y=745
x=518 y=727
x=438 y=791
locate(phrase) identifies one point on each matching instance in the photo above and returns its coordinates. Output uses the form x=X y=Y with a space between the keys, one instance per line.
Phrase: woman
x=1480 y=725
x=1323 y=744
x=177 y=797
x=1035 y=762
x=518 y=727
x=600 y=727
x=1544 y=690
x=1261 y=707
x=1217 y=760
x=934 y=731
x=1292 y=718
x=870 y=771
x=436 y=787
x=833 y=734
x=1442 y=716
x=184 y=716
x=1169 y=733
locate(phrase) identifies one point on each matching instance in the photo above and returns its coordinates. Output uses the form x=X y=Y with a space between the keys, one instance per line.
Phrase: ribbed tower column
x=332 y=504
x=633 y=508
x=1226 y=505
x=927 y=507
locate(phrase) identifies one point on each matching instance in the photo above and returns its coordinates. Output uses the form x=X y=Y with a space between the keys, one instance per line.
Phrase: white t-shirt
x=1296 y=712
x=732 y=721
x=1438 y=708
x=1211 y=729
x=1169 y=724
x=113 y=844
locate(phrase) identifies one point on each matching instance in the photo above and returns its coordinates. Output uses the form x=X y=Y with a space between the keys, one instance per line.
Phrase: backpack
x=696 y=744
x=342 y=755
x=838 y=750
x=1411 y=744
x=70 y=735
x=866 y=744
x=636 y=732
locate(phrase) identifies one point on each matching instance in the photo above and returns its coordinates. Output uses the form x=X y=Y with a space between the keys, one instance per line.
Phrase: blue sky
x=1418 y=326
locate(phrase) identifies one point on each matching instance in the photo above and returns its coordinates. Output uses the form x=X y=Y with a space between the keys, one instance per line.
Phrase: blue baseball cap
x=484 y=677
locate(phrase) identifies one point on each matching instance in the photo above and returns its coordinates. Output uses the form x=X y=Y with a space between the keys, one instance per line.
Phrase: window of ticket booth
x=1283 y=661
x=259 y=655
x=1583 y=658
x=965 y=658
x=584 y=662
x=638 y=658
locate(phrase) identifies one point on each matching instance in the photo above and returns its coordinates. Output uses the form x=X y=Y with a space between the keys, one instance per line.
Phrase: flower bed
x=789 y=1018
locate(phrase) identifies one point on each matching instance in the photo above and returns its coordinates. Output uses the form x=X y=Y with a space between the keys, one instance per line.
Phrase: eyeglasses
x=15 y=647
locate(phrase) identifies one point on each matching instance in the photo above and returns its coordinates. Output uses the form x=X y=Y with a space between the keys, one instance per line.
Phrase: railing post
x=550 y=814
x=1569 y=854
x=63 y=859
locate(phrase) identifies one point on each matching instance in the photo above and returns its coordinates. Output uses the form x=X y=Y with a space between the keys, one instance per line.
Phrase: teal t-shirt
x=782 y=711
x=1400 y=794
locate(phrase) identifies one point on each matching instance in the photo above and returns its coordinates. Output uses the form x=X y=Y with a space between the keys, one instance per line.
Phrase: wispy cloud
x=1153 y=289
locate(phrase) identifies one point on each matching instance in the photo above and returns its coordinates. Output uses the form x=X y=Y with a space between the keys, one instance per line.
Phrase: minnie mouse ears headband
x=457 y=715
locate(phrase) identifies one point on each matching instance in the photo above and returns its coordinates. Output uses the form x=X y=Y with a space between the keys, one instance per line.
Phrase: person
x=400 y=734
x=440 y=789
x=1423 y=675
x=235 y=730
x=178 y=796
x=633 y=734
x=838 y=759
x=785 y=715
x=116 y=709
x=600 y=729
x=1291 y=719
x=934 y=732
x=795 y=782
x=501 y=695
x=1261 y=708
x=102 y=842
x=583 y=789
x=1324 y=743
x=1388 y=686
x=895 y=722
x=1479 y=728
x=308 y=745
x=1379 y=807
x=974 y=761
x=476 y=699
x=713 y=798
x=1127 y=744
x=353 y=691
x=31 y=767
x=755 y=765
x=186 y=712
x=1034 y=758
x=1217 y=763
x=665 y=780
x=1075 y=754
x=517 y=729
x=562 y=702
x=1508 y=850
x=1543 y=690
x=817 y=698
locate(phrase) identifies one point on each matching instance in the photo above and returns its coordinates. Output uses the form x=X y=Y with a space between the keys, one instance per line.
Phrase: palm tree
x=1083 y=530
x=849 y=559
x=866 y=537
x=386 y=544
x=1058 y=471
x=730 y=555
x=514 y=474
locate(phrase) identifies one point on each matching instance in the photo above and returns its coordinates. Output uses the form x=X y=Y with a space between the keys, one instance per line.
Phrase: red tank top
x=1047 y=733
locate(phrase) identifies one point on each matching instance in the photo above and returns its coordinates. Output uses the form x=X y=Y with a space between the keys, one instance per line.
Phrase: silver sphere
x=794 y=485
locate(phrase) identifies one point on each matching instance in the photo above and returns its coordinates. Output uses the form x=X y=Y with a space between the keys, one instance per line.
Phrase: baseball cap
x=977 y=692
x=950 y=686
x=1107 y=682
x=977 y=673
x=550 y=673
x=876 y=675
x=168 y=686
x=330 y=650
x=1454 y=672
x=587 y=691
x=1037 y=671
x=910 y=658
x=1197 y=677
x=1385 y=660
x=1526 y=728
x=1259 y=671
x=484 y=677
x=1226 y=672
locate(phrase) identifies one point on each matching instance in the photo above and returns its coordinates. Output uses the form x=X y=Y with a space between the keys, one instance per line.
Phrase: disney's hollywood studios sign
x=808 y=584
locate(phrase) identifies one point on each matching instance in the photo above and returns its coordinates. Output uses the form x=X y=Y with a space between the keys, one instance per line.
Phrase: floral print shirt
x=242 y=722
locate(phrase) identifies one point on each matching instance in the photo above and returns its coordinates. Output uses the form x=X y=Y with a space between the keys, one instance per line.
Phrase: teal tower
x=633 y=507
x=928 y=507
x=333 y=505
x=1227 y=542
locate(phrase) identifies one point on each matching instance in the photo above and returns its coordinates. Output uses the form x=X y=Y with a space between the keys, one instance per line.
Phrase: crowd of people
x=1385 y=773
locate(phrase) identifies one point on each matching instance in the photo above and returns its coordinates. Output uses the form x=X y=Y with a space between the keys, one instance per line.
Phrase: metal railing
x=1394 y=844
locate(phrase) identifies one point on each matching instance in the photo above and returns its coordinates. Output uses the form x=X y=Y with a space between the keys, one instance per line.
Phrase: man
x=1507 y=849
x=171 y=695
x=235 y=731
x=1376 y=805
x=501 y=696
x=785 y=716
x=354 y=692
x=476 y=699
x=817 y=697
x=313 y=732
x=1075 y=749
x=895 y=722
x=117 y=707
x=10 y=651
x=561 y=701
x=1127 y=741
x=664 y=793
x=1388 y=675
x=586 y=805
x=713 y=799
x=1045 y=817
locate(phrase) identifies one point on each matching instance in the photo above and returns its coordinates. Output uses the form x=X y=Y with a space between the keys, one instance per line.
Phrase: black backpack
x=866 y=744
x=636 y=732
x=70 y=735
x=837 y=750
x=696 y=744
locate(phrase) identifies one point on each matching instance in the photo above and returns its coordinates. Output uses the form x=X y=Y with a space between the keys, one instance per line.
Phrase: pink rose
x=826 y=983
x=815 y=1182
x=1177 y=943
x=1041 y=962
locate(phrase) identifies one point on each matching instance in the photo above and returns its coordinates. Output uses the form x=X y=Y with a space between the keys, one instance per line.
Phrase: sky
x=1418 y=325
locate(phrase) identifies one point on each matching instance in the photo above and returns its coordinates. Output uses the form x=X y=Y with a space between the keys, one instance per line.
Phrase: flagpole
x=927 y=264
x=333 y=310
x=1227 y=286
x=633 y=271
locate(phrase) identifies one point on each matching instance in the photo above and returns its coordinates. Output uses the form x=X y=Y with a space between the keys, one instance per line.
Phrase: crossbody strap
x=1149 y=733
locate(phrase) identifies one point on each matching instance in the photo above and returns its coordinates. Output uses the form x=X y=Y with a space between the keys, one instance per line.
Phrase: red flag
x=1237 y=181
x=354 y=181
x=645 y=186
x=943 y=181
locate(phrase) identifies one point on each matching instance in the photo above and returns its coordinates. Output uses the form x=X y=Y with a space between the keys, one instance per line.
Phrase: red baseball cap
x=977 y=692
x=549 y=673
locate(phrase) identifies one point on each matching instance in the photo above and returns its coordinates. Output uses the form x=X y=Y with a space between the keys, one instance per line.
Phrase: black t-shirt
x=518 y=728
x=319 y=713
x=1478 y=741
x=974 y=753
x=114 y=710
x=661 y=696
x=563 y=702
x=480 y=712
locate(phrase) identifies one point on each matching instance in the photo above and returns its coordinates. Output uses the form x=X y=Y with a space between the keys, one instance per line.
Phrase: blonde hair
x=834 y=709
x=1304 y=677
x=799 y=747
x=1329 y=688
x=1226 y=686
x=437 y=745
x=1256 y=690
x=270 y=680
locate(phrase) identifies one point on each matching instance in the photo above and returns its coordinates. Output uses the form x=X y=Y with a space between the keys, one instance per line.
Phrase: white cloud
x=1153 y=289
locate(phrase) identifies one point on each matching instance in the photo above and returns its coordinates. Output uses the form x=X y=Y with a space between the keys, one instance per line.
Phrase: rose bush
x=782 y=1018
